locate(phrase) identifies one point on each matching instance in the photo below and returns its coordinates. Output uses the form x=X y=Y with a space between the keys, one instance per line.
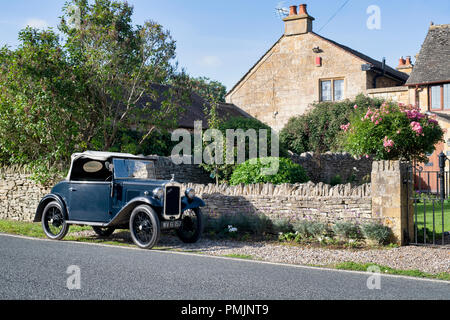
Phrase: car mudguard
x=123 y=215
x=46 y=200
x=191 y=204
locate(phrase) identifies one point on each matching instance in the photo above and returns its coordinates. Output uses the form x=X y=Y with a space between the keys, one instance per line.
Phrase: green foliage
x=337 y=179
x=310 y=229
x=281 y=226
x=119 y=65
x=347 y=229
x=206 y=88
x=223 y=172
x=392 y=132
x=376 y=232
x=158 y=143
x=318 y=130
x=245 y=224
x=252 y=172
x=87 y=87
x=41 y=106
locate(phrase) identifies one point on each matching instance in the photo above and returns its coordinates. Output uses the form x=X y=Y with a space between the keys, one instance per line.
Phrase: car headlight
x=158 y=193
x=190 y=193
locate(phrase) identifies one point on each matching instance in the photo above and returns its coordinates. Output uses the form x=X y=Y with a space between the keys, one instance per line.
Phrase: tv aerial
x=281 y=11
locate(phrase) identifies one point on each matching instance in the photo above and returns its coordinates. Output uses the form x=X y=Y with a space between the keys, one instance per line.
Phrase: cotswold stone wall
x=326 y=166
x=288 y=201
x=19 y=196
x=384 y=200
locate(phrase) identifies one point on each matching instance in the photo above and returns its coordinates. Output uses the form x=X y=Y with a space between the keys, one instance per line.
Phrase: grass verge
x=354 y=266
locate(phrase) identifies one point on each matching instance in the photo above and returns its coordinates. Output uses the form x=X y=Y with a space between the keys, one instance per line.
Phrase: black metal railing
x=430 y=203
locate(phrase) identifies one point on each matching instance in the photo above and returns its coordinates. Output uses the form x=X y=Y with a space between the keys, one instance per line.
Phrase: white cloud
x=210 y=61
x=37 y=23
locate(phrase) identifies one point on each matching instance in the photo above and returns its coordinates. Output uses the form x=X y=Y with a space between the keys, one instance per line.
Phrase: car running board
x=84 y=223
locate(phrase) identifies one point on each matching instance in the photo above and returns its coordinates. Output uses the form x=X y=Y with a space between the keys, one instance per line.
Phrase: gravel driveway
x=426 y=259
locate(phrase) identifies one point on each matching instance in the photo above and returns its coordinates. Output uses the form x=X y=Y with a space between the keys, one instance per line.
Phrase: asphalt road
x=37 y=269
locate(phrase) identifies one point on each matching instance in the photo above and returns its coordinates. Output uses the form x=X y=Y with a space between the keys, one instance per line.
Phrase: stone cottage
x=428 y=85
x=303 y=67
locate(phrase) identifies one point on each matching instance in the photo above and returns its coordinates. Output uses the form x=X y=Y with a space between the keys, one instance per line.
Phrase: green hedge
x=251 y=172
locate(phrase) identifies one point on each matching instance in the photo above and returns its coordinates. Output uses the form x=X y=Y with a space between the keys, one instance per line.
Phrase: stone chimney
x=405 y=65
x=297 y=23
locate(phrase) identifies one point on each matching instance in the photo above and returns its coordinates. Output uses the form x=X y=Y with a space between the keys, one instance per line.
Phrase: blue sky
x=223 y=39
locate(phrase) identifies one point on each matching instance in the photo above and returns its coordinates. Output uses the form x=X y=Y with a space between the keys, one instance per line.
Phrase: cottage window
x=332 y=90
x=325 y=90
x=338 y=90
x=440 y=97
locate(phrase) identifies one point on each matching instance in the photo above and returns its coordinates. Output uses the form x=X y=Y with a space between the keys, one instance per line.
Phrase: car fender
x=191 y=204
x=124 y=214
x=46 y=200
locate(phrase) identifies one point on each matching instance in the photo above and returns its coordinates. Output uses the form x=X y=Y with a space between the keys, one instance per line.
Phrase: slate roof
x=433 y=62
x=192 y=110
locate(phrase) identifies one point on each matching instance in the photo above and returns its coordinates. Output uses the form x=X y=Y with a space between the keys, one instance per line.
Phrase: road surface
x=40 y=269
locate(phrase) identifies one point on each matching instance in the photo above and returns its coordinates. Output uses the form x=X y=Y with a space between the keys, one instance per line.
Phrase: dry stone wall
x=327 y=166
x=288 y=201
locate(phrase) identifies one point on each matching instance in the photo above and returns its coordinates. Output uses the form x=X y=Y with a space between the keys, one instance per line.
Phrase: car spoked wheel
x=144 y=227
x=53 y=221
x=191 y=226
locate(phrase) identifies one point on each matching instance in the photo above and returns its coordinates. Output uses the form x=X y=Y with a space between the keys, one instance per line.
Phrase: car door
x=90 y=201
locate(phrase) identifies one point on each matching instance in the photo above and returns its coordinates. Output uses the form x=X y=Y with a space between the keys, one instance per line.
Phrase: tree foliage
x=119 y=63
x=102 y=83
x=41 y=105
x=318 y=129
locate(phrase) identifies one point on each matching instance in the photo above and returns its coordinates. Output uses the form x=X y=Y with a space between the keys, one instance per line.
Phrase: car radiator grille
x=172 y=201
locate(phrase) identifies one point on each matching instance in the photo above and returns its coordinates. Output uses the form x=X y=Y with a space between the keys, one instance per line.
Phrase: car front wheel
x=53 y=221
x=144 y=227
x=192 y=226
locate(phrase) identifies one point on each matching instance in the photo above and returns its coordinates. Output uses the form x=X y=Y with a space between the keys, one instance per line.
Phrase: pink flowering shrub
x=391 y=132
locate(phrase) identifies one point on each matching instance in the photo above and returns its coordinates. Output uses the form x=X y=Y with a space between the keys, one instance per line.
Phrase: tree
x=206 y=88
x=119 y=63
x=41 y=106
x=392 y=132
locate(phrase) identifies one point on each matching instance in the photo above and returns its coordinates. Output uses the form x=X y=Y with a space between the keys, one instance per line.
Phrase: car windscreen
x=134 y=169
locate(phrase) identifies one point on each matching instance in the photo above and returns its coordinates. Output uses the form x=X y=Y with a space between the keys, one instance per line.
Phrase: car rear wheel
x=53 y=221
x=103 y=232
x=192 y=226
x=145 y=228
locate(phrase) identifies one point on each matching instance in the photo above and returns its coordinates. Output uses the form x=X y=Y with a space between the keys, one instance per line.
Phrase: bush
x=392 y=132
x=346 y=230
x=318 y=130
x=308 y=229
x=251 y=172
x=253 y=224
x=376 y=232
x=281 y=226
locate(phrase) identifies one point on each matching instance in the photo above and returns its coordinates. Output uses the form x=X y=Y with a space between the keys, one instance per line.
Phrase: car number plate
x=171 y=224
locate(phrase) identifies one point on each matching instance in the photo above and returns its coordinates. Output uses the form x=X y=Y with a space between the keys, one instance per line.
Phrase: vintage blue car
x=111 y=191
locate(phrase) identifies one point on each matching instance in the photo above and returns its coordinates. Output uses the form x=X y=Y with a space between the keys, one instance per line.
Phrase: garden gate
x=430 y=203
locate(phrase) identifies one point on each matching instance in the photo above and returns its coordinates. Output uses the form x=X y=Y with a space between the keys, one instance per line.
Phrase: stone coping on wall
x=305 y=189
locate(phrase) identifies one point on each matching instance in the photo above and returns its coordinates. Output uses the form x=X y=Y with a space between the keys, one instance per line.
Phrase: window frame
x=441 y=102
x=332 y=80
